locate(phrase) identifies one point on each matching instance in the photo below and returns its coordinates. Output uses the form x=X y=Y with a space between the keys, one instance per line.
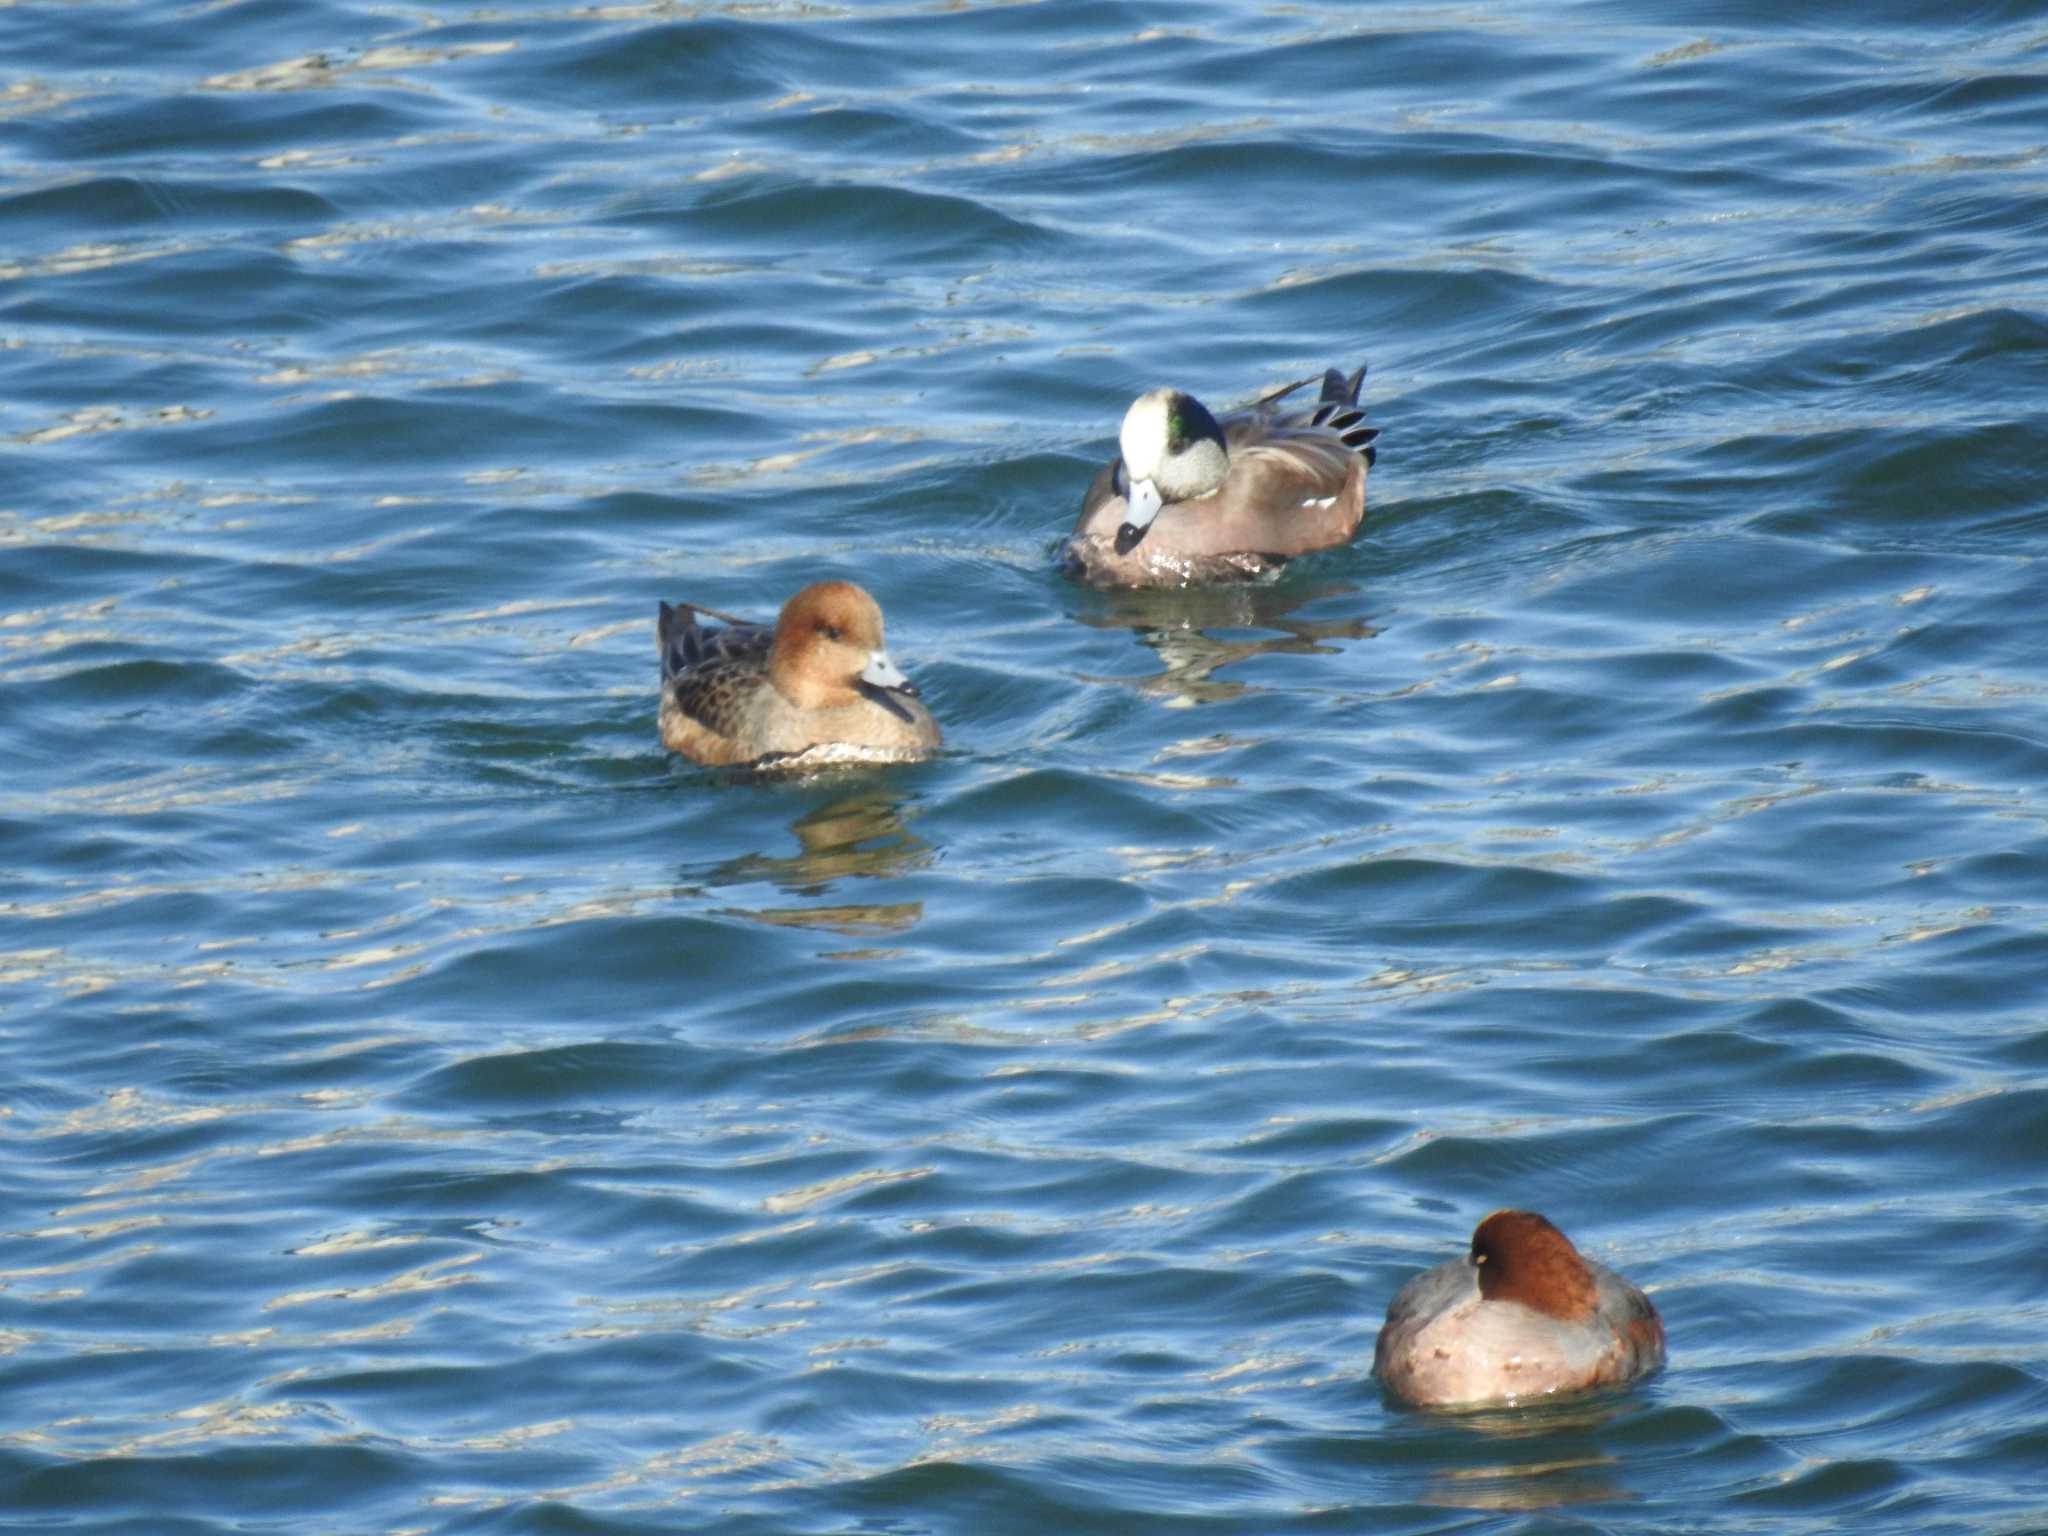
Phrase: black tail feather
x=1338 y=390
x=1338 y=409
x=1339 y=396
x=677 y=634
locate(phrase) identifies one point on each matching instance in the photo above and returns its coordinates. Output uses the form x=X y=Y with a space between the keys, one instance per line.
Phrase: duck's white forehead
x=1143 y=435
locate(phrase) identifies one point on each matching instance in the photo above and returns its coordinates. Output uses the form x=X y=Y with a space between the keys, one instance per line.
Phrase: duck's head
x=1172 y=451
x=828 y=651
x=1521 y=1257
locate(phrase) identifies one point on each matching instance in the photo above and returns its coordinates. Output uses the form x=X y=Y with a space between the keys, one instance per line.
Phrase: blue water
x=426 y=1107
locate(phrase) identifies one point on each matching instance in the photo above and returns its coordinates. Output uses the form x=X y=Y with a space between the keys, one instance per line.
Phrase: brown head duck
x=1520 y=1314
x=815 y=688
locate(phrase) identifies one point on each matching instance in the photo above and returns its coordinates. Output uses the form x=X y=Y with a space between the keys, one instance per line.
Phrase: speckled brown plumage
x=817 y=687
x=708 y=671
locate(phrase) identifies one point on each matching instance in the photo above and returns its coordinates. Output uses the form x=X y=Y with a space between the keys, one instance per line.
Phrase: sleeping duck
x=1191 y=499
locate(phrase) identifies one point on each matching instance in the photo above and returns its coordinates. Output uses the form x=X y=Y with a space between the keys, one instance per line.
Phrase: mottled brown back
x=707 y=671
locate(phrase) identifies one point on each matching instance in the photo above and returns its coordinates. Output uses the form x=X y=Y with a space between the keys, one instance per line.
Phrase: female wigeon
x=1521 y=1315
x=816 y=688
x=1191 y=499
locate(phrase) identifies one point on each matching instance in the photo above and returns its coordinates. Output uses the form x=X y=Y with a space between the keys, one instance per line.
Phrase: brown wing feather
x=712 y=695
x=1318 y=441
x=1310 y=462
x=708 y=671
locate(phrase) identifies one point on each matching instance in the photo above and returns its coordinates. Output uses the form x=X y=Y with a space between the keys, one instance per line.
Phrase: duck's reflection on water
x=1562 y=1462
x=1179 y=625
x=860 y=835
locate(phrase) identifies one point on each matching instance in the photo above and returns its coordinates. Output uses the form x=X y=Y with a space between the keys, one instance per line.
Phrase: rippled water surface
x=429 y=1108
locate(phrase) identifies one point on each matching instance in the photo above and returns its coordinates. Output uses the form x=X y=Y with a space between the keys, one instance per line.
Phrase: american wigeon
x=1191 y=499
x=1521 y=1314
x=816 y=688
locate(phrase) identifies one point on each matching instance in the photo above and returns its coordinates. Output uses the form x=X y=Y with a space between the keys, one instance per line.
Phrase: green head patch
x=1180 y=423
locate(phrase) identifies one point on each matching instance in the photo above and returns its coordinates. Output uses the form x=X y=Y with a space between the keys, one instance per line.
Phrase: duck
x=1522 y=1314
x=816 y=687
x=1191 y=499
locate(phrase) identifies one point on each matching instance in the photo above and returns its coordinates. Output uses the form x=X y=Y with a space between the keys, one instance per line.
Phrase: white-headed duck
x=1192 y=499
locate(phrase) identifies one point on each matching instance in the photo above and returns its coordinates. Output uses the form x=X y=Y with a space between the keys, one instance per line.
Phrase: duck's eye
x=829 y=631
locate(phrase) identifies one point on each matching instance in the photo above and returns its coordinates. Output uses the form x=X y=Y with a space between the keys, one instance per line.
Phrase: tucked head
x=1522 y=1257
x=1172 y=451
x=828 y=650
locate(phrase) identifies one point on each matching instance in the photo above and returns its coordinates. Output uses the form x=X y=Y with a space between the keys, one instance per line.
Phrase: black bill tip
x=892 y=699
